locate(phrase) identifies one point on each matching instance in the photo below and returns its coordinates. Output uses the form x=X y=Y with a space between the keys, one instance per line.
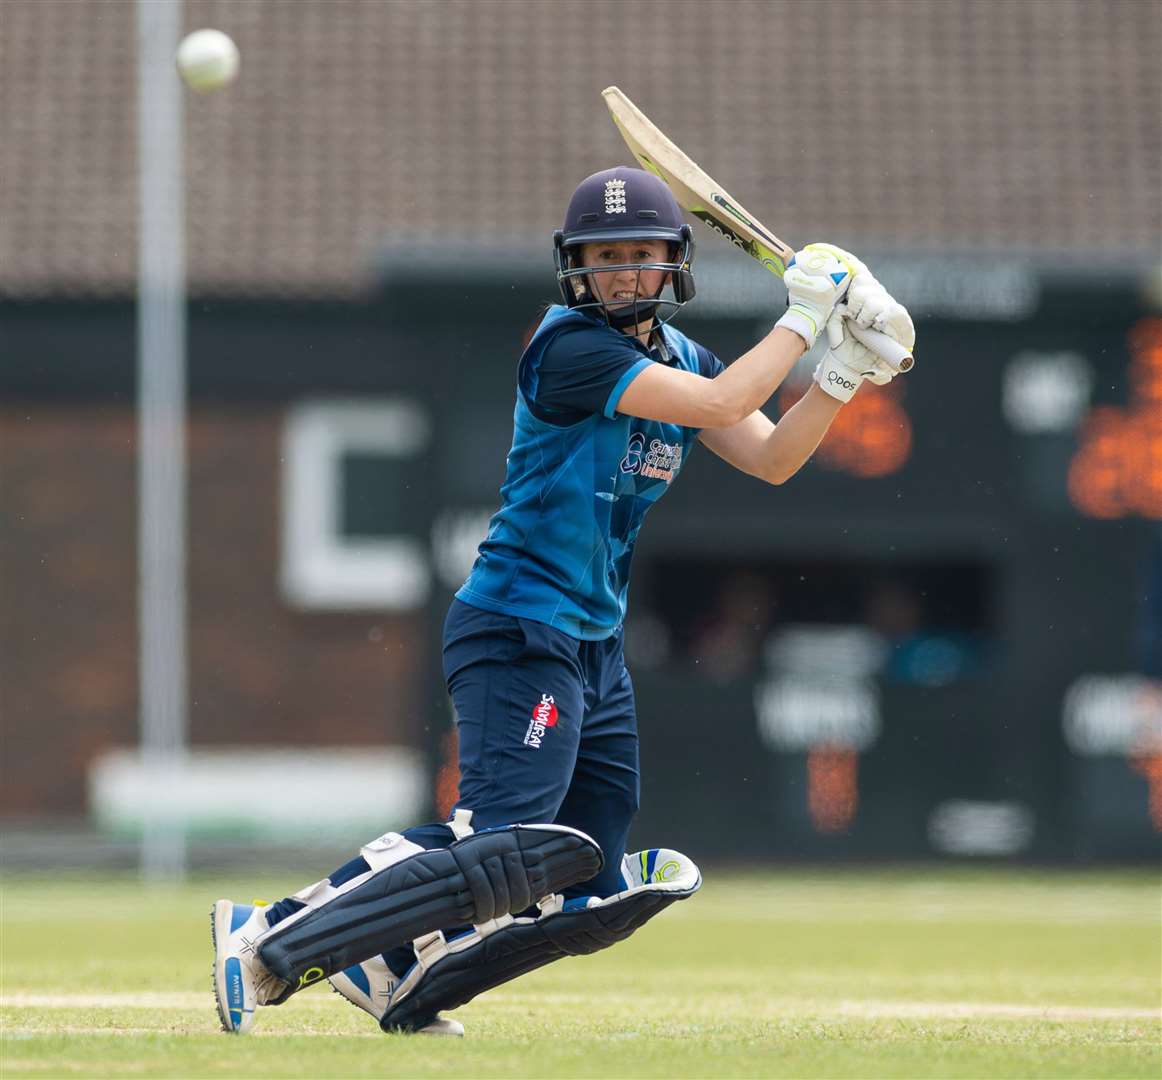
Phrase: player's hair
x=530 y=330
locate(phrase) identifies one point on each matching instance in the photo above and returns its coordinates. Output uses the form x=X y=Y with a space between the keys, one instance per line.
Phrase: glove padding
x=848 y=361
x=869 y=305
x=816 y=278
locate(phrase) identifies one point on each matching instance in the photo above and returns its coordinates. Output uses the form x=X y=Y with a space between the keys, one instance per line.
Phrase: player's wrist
x=836 y=379
x=803 y=321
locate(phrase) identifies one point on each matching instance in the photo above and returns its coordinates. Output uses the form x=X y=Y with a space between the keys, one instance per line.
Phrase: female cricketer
x=610 y=400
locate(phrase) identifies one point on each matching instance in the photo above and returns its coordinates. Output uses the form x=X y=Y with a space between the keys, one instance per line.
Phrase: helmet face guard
x=578 y=292
x=611 y=207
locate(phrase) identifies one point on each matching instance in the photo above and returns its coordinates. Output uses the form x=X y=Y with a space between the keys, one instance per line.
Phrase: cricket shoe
x=370 y=986
x=241 y=980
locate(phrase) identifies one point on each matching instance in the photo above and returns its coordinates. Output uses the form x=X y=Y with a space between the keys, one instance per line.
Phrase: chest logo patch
x=661 y=461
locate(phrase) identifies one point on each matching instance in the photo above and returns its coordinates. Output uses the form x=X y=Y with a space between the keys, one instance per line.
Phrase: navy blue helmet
x=623 y=204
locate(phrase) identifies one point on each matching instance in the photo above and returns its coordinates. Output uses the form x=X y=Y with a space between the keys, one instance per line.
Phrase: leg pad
x=449 y=974
x=477 y=879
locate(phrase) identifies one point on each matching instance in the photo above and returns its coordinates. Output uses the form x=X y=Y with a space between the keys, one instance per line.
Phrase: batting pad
x=448 y=974
x=474 y=880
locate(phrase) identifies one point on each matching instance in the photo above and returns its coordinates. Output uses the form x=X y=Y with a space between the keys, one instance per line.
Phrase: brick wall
x=260 y=672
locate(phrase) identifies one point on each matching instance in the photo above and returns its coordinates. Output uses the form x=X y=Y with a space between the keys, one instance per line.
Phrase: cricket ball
x=207 y=60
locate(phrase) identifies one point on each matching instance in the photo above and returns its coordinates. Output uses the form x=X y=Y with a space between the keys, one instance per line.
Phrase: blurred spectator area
x=924 y=624
x=1027 y=126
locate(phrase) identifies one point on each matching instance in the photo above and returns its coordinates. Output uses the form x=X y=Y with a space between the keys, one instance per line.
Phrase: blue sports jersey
x=580 y=476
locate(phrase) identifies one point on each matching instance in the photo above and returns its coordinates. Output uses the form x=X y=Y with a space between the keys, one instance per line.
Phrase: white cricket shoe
x=370 y=986
x=241 y=980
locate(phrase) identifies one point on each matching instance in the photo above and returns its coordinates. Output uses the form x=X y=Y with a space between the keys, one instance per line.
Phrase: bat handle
x=884 y=347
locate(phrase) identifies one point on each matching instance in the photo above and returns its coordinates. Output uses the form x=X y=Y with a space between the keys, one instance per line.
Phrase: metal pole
x=161 y=451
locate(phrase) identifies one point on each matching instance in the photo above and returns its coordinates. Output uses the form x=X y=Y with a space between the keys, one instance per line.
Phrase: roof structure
x=1030 y=126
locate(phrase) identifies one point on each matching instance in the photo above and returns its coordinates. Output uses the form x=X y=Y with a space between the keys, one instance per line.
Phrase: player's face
x=624 y=286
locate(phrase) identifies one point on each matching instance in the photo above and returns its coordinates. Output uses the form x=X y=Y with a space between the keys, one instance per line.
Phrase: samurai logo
x=615 y=197
x=544 y=717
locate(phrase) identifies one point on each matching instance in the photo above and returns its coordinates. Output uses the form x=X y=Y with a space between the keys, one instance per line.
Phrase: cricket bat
x=700 y=195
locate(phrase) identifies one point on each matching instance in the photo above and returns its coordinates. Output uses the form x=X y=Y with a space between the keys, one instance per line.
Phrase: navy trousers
x=548 y=733
x=548 y=730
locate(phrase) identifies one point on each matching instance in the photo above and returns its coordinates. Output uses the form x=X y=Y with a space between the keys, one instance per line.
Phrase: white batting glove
x=849 y=362
x=869 y=305
x=816 y=278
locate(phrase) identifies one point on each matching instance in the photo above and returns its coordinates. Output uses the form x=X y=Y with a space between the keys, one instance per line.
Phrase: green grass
x=835 y=974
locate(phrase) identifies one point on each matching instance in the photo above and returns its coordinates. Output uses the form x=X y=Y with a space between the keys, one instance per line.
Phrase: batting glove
x=816 y=278
x=869 y=305
x=849 y=362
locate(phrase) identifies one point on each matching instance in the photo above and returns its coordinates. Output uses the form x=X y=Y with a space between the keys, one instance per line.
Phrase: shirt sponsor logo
x=544 y=717
x=660 y=462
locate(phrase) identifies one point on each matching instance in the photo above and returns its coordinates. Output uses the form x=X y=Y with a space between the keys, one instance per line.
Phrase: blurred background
x=221 y=593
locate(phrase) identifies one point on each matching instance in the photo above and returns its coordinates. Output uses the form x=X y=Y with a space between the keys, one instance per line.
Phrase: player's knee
x=617 y=809
x=624 y=808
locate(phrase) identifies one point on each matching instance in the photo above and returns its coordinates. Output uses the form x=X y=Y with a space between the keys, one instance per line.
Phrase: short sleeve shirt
x=580 y=476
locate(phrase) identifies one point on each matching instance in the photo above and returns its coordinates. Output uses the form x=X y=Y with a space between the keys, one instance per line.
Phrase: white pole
x=161 y=410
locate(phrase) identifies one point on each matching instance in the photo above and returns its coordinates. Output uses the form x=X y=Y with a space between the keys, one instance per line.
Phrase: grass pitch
x=829 y=974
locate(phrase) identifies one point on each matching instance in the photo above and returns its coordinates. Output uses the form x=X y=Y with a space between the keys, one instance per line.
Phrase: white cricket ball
x=207 y=60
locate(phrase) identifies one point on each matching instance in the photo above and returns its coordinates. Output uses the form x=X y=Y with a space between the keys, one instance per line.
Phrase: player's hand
x=817 y=279
x=848 y=361
x=869 y=305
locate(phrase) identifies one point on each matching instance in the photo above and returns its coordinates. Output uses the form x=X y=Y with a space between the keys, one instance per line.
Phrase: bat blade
x=702 y=197
x=696 y=191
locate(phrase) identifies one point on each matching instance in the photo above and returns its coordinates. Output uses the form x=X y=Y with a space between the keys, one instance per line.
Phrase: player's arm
x=817 y=277
x=775 y=452
x=684 y=397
